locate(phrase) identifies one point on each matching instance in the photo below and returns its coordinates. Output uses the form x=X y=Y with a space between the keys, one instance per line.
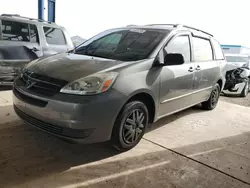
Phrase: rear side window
x=15 y=31
x=34 y=34
x=181 y=45
x=218 y=51
x=202 y=49
x=54 y=36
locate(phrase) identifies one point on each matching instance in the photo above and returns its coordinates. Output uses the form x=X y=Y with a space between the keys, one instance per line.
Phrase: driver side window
x=181 y=45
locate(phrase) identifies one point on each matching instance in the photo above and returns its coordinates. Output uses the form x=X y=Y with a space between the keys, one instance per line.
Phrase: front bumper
x=237 y=90
x=81 y=119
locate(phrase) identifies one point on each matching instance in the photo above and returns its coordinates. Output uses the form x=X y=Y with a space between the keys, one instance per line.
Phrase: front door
x=177 y=80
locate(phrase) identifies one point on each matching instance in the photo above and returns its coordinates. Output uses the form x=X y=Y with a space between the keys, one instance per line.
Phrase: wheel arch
x=220 y=82
x=148 y=100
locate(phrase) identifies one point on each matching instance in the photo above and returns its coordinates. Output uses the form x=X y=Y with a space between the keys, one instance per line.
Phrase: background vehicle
x=238 y=60
x=77 y=40
x=237 y=81
x=24 y=39
x=237 y=75
x=117 y=82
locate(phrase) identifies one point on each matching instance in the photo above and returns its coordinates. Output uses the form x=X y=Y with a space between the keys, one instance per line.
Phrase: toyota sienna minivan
x=113 y=85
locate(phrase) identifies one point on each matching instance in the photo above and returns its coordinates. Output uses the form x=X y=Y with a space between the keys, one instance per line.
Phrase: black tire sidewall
x=117 y=137
x=207 y=105
x=217 y=86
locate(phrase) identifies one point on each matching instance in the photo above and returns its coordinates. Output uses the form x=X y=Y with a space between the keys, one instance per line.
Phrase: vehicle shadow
x=31 y=158
x=27 y=153
x=168 y=119
x=5 y=88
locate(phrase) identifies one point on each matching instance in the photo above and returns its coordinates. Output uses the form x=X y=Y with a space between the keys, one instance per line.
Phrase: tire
x=211 y=103
x=245 y=90
x=132 y=119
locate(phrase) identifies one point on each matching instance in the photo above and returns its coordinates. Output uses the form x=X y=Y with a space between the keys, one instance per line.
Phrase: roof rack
x=27 y=18
x=185 y=26
x=197 y=30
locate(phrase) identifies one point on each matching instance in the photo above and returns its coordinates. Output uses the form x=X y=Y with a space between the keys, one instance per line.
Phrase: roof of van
x=16 y=17
x=171 y=27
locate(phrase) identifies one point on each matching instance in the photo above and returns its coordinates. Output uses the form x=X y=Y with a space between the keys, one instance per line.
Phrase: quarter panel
x=140 y=78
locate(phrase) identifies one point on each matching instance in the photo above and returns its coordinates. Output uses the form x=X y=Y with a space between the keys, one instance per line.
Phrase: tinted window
x=34 y=34
x=15 y=31
x=180 y=45
x=108 y=42
x=202 y=49
x=218 y=51
x=54 y=36
x=124 y=45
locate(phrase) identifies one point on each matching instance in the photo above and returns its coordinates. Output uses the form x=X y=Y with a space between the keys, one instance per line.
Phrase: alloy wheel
x=214 y=96
x=134 y=126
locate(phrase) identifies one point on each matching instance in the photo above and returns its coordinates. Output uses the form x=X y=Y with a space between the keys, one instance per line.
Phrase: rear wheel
x=211 y=103
x=130 y=126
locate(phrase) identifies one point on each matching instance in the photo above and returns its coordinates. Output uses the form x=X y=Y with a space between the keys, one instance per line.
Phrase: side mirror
x=173 y=59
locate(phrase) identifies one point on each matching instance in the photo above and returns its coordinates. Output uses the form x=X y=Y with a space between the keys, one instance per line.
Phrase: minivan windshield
x=123 y=44
x=236 y=59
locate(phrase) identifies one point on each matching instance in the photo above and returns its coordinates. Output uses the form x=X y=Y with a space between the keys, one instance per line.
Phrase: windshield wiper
x=95 y=55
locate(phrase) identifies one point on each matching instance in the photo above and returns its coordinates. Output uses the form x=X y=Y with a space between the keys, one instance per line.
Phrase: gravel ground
x=243 y=101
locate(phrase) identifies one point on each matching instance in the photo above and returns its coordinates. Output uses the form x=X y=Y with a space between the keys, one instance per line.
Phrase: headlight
x=93 y=84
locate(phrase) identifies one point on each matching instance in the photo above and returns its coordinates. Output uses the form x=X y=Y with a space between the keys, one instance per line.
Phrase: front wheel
x=211 y=103
x=245 y=90
x=130 y=126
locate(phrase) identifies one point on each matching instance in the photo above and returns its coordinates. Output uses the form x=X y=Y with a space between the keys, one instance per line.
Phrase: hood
x=237 y=64
x=234 y=65
x=70 y=67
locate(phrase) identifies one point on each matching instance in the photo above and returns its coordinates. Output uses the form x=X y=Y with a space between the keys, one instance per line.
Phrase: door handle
x=198 y=67
x=190 y=69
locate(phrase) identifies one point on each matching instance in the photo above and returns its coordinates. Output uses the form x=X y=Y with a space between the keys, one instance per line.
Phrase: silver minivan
x=116 y=83
x=24 y=39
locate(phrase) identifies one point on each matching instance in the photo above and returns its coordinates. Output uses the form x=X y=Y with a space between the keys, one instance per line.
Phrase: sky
x=227 y=20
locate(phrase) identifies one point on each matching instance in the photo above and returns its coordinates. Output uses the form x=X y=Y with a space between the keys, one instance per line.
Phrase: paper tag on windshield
x=138 y=30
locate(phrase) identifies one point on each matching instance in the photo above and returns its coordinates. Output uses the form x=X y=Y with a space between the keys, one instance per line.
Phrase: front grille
x=42 y=84
x=28 y=99
x=61 y=131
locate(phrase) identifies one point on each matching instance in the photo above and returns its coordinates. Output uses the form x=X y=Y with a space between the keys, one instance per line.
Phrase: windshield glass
x=237 y=59
x=124 y=45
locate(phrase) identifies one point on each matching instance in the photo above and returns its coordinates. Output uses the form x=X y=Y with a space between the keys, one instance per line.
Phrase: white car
x=237 y=75
x=237 y=60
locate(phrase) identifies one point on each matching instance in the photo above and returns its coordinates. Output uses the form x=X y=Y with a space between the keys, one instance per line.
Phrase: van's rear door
x=19 y=44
